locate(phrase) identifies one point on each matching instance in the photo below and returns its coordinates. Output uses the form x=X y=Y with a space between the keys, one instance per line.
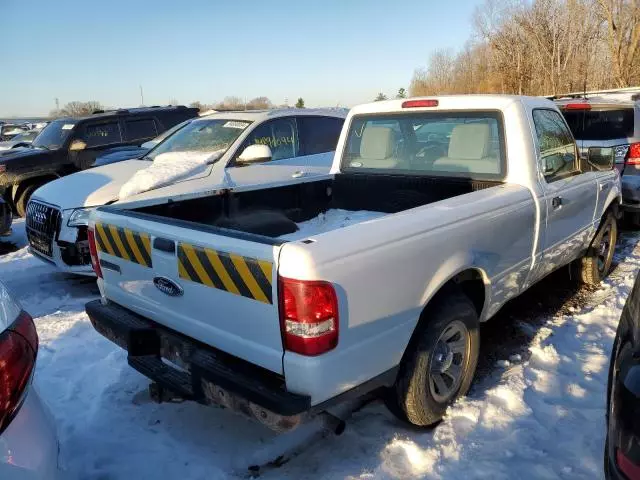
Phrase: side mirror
x=601 y=158
x=254 y=154
x=77 y=145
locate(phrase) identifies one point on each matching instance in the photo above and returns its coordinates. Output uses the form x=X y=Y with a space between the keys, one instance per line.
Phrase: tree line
x=82 y=109
x=540 y=47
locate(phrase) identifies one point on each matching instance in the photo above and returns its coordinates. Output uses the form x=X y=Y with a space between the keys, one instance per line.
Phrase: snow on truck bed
x=330 y=220
x=535 y=415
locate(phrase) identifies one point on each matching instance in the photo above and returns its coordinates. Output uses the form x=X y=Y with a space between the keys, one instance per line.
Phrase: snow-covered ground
x=537 y=412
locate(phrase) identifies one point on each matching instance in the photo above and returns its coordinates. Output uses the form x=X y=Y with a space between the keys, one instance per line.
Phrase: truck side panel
x=392 y=267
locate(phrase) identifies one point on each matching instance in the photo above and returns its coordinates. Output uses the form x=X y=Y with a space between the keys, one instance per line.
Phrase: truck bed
x=294 y=212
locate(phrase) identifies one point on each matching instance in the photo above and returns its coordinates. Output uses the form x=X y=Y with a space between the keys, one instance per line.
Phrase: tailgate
x=214 y=285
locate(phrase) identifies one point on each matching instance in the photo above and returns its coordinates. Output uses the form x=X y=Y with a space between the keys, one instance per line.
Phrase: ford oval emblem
x=168 y=286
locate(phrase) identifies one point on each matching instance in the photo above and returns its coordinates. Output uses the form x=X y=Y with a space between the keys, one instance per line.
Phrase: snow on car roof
x=260 y=115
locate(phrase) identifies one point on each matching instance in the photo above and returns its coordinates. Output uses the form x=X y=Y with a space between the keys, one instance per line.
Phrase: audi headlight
x=79 y=217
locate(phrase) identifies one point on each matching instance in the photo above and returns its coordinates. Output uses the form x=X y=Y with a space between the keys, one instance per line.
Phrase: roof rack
x=635 y=91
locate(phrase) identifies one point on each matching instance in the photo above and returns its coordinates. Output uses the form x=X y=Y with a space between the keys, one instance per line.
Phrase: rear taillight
x=18 y=351
x=93 y=251
x=630 y=469
x=308 y=316
x=633 y=154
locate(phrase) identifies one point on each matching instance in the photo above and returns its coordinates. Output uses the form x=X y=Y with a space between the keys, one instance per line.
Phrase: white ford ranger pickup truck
x=280 y=302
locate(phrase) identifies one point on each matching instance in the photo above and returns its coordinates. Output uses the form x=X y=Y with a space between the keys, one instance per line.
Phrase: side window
x=557 y=147
x=140 y=129
x=318 y=134
x=280 y=135
x=99 y=134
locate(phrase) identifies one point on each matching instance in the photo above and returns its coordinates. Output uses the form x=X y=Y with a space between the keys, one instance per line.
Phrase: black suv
x=68 y=145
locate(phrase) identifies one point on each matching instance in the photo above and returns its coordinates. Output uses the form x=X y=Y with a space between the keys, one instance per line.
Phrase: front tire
x=23 y=199
x=596 y=263
x=440 y=362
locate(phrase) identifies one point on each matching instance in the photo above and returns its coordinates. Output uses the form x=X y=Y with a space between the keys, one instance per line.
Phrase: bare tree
x=540 y=47
x=77 y=109
x=622 y=20
x=259 y=103
x=230 y=103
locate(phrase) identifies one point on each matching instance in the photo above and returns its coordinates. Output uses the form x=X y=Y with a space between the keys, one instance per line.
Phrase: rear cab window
x=452 y=144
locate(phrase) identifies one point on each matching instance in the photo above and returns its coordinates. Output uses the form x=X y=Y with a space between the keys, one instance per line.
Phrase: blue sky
x=327 y=51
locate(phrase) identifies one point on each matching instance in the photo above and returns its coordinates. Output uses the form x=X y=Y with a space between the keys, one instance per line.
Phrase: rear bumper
x=197 y=371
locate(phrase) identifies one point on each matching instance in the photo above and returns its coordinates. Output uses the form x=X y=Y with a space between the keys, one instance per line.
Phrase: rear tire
x=439 y=363
x=23 y=199
x=596 y=263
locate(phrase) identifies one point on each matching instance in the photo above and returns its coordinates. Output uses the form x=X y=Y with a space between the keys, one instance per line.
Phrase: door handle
x=604 y=186
x=297 y=174
x=556 y=202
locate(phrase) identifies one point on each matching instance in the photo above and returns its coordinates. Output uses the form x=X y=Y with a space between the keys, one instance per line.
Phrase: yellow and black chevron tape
x=124 y=243
x=233 y=273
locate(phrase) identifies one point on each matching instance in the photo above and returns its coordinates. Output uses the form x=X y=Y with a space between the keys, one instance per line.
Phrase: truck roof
x=599 y=101
x=456 y=102
x=260 y=115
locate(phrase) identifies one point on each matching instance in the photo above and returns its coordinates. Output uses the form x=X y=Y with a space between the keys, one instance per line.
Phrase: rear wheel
x=439 y=363
x=23 y=199
x=596 y=263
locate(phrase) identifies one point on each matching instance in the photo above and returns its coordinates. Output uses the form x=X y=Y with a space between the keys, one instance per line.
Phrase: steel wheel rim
x=448 y=362
x=604 y=248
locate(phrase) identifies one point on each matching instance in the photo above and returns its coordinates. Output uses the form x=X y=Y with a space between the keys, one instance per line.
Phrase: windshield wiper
x=146 y=157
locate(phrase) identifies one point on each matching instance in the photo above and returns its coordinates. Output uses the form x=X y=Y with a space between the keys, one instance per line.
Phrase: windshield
x=600 y=124
x=433 y=143
x=170 y=132
x=25 y=137
x=54 y=134
x=202 y=136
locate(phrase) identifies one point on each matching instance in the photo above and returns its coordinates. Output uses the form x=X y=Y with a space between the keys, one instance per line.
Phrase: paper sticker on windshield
x=68 y=126
x=232 y=124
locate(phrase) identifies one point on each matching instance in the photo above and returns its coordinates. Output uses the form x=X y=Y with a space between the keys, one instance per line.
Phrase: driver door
x=570 y=194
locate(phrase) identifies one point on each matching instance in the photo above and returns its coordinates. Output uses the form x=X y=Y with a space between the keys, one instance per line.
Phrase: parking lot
x=542 y=375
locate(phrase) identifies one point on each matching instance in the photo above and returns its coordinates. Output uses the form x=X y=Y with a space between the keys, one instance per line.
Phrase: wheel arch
x=19 y=186
x=471 y=280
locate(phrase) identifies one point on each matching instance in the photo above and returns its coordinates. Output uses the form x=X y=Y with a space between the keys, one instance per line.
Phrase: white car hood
x=92 y=187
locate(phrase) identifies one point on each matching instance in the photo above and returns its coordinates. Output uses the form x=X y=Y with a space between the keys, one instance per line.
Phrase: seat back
x=469 y=151
x=376 y=148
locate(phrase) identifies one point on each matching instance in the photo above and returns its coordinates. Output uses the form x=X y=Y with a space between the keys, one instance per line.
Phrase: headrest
x=470 y=141
x=377 y=143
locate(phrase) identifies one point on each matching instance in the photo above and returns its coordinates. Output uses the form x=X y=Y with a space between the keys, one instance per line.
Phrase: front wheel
x=596 y=263
x=23 y=199
x=440 y=362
